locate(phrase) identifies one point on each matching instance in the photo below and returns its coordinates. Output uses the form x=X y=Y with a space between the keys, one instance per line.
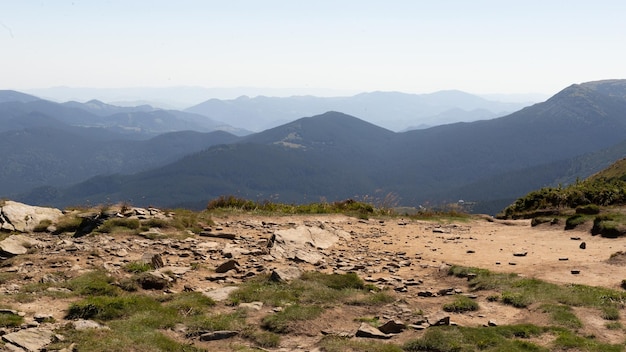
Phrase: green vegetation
x=523 y=292
x=68 y=223
x=574 y=220
x=118 y=225
x=586 y=195
x=340 y=344
x=282 y=322
x=562 y=315
x=609 y=225
x=43 y=225
x=461 y=339
x=8 y=319
x=137 y=267
x=348 y=206
x=311 y=288
x=461 y=304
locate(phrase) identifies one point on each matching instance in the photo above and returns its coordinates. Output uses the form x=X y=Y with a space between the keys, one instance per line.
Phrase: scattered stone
x=392 y=327
x=228 y=236
x=153 y=259
x=563 y=259
x=285 y=274
x=470 y=251
x=220 y=294
x=575 y=271
x=88 y=325
x=368 y=331
x=439 y=319
x=343 y=334
x=227 y=266
x=583 y=245
x=218 y=335
x=251 y=305
x=575 y=238
x=520 y=254
x=492 y=323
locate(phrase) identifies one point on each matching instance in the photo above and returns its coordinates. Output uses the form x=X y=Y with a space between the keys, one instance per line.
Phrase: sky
x=410 y=46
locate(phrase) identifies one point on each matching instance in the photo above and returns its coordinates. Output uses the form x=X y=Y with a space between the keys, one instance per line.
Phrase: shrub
x=610 y=312
x=461 y=304
x=112 y=224
x=68 y=223
x=573 y=221
x=589 y=209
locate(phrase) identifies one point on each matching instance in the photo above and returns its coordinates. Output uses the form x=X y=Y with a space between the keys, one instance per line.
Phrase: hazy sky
x=411 y=46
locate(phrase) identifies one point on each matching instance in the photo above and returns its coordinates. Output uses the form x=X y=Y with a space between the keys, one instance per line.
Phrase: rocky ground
x=409 y=258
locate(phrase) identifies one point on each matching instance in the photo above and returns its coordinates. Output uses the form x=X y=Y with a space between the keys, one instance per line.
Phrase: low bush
x=574 y=220
x=589 y=209
x=461 y=304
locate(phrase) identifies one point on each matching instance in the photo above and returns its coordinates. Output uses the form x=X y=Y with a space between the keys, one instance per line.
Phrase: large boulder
x=16 y=245
x=304 y=242
x=21 y=217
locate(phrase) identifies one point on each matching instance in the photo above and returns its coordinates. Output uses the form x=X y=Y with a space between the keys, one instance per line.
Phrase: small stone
x=583 y=245
x=368 y=331
x=218 y=335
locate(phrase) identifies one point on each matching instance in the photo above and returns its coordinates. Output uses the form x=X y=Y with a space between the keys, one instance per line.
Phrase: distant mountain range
x=331 y=156
x=391 y=110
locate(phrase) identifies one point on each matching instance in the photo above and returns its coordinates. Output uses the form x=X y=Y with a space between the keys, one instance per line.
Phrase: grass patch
x=10 y=320
x=137 y=267
x=215 y=322
x=108 y=308
x=522 y=292
x=461 y=339
x=118 y=225
x=371 y=299
x=610 y=313
x=68 y=223
x=573 y=221
x=340 y=344
x=461 y=304
x=282 y=322
x=260 y=338
x=94 y=283
x=562 y=315
x=566 y=340
x=311 y=288
x=614 y=325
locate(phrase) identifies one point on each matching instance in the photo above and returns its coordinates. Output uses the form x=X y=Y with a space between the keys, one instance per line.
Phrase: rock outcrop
x=20 y=217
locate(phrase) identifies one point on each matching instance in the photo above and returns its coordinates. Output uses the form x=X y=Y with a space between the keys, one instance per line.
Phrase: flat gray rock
x=220 y=294
x=33 y=339
x=366 y=330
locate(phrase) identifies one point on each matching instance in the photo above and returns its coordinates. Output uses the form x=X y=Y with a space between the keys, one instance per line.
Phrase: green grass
x=282 y=322
x=349 y=206
x=10 y=320
x=340 y=344
x=522 y=292
x=461 y=304
x=97 y=283
x=68 y=223
x=311 y=288
x=575 y=220
x=462 y=339
x=118 y=225
x=137 y=267
x=562 y=315
x=567 y=340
